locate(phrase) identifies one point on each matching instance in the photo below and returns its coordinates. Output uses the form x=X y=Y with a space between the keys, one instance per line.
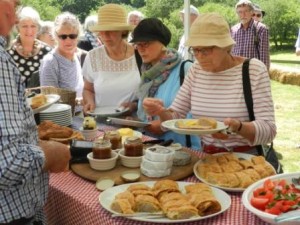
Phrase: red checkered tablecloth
x=75 y=201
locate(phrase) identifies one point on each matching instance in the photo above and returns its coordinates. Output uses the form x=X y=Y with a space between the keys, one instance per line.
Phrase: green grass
x=285 y=55
x=287 y=113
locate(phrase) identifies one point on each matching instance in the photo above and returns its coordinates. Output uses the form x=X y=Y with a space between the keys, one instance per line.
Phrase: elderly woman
x=89 y=40
x=214 y=88
x=160 y=74
x=46 y=33
x=110 y=71
x=134 y=18
x=26 y=50
x=61 y=67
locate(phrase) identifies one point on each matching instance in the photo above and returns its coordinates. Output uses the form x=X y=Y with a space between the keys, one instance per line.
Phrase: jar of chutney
x=102 y=149
x=115 y=139
x=133 y=146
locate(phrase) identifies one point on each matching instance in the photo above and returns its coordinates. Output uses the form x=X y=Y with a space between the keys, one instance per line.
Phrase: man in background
x=24 y=163
x=252 y=38
x=258 y=13
x=194 y=13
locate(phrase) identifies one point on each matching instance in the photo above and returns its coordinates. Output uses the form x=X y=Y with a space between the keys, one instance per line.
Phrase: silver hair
x=136 y=13
x=46 y=27
x=31 y=14
x=90 y=21
x=67 y=19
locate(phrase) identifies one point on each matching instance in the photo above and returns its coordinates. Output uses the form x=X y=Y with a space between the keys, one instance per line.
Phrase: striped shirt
x=220 y=95
x=245 y=41
x=23 y=184
x=58 y=71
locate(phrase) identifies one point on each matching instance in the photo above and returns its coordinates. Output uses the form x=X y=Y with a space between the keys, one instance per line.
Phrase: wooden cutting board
x=85 y=171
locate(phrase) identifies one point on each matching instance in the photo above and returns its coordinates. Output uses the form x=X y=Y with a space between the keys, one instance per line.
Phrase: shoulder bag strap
x=248 y=97
x=181 y=76
x=138 y=59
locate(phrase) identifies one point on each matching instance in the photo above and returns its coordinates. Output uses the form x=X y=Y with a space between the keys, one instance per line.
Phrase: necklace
x=19 y=47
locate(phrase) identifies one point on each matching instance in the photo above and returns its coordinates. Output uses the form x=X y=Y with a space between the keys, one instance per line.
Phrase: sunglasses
x=65 y=36
x=257 y=15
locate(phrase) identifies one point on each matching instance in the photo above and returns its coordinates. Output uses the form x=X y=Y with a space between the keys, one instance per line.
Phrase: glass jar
x=115 y=139
x=102 y=149
x=133 y=146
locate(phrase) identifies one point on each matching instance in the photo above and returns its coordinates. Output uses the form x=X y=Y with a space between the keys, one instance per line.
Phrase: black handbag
x=267 y=150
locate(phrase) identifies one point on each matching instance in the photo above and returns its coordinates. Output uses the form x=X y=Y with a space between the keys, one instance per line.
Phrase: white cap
x=193 y=10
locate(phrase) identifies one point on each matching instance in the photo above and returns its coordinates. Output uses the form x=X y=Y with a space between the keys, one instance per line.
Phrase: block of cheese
x=155 y=165
x=159 y=153
x=181 y=158
x=155 y=173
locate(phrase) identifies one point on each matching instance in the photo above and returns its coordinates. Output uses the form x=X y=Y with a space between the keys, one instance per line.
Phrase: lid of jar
x=133 y=139
x=104 y=183
x=102 y=142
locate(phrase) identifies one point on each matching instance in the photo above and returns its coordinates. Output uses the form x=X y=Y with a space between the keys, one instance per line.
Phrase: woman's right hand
x=88 y=107
x=153 y=106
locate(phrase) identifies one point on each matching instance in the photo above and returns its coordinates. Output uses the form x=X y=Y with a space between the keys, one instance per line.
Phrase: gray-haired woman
x=89 y=40
x=26 y=50
x=61 y=67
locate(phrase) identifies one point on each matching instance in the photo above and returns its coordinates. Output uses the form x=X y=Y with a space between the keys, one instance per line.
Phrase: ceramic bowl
x=89 y=134
x=103 y=164
x=130 y=161
x=248 y=193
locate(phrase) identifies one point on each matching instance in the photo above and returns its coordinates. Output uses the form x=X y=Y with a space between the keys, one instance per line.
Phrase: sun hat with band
x=112 y=17
x=151 y=29
x=210 y=29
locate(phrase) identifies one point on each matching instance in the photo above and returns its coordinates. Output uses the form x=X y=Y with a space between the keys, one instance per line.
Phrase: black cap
x=151 y=29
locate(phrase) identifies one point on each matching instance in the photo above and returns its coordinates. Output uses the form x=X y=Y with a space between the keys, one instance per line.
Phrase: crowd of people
x=123 y=59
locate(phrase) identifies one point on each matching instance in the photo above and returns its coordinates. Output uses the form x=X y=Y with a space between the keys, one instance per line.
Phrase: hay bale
x=285 y=76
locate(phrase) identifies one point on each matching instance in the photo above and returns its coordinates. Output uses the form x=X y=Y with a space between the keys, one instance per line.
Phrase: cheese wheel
x=181 y=158
x=153 y=165
x=159 y=153
x=155 y=173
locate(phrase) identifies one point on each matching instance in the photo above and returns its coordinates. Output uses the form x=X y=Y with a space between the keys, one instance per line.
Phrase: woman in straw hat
x=161 y=76
x=214 y=88
x=111 y=73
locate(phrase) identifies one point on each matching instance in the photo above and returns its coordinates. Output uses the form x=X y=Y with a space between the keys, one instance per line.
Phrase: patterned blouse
x=28 y=65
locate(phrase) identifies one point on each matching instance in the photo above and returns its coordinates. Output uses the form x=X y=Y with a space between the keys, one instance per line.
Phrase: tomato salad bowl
x=272 y=196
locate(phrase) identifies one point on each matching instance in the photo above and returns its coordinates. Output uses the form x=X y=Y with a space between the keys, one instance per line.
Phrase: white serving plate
x=171 y=125
x=106 y=198
x=131 y=123
x=248 y=193
x=105 y=111
x=51 y=99
x=239 y=155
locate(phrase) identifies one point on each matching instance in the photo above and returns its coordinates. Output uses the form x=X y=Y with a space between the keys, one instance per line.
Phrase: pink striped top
x=220 y=95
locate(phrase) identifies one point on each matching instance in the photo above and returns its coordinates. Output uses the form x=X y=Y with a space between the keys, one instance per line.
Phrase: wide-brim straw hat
x=210 y=29
x=112 y=17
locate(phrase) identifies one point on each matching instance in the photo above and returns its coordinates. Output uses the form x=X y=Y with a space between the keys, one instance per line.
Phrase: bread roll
x=38 y=100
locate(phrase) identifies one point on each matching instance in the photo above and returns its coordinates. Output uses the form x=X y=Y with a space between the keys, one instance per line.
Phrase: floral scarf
x=154 y=75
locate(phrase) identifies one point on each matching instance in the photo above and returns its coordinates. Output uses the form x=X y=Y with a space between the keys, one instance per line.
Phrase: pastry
x=122 y=206
x=146 y=203
x=47 y=130
x=38 y=100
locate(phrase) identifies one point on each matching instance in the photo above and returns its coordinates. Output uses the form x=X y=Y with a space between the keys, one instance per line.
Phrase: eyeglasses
x=65 y=36
x=204 y=51
x=257 y=15
x=142 y=44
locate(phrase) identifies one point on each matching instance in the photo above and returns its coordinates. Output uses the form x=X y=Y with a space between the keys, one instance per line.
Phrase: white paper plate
x=51 y=99
x=57 y=108
x=106 y=198
x=239 y=155
x=106 y=111
x=170 y=124
x=131 y=123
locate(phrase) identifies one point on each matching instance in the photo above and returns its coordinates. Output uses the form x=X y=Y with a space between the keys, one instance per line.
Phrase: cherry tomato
x=259 y=203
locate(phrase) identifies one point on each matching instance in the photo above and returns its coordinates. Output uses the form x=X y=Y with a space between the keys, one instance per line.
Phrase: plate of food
x=199 y=126
x=106 y=111
x=48 y=130
x=232 y=172
x=165 y=201
x=40 y=102
x=125 y=122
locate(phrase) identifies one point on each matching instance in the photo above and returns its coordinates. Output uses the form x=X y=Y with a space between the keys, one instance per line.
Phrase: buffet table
x=73 y=200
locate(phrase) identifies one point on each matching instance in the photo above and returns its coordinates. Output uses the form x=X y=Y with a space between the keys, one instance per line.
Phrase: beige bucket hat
x=112 y=17
x=210 y=29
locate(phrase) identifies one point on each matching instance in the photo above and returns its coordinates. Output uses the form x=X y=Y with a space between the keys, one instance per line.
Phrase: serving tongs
x=289 y=216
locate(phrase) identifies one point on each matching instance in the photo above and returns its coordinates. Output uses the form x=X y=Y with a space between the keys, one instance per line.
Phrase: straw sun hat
x=112 y=17
x=210 y=29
